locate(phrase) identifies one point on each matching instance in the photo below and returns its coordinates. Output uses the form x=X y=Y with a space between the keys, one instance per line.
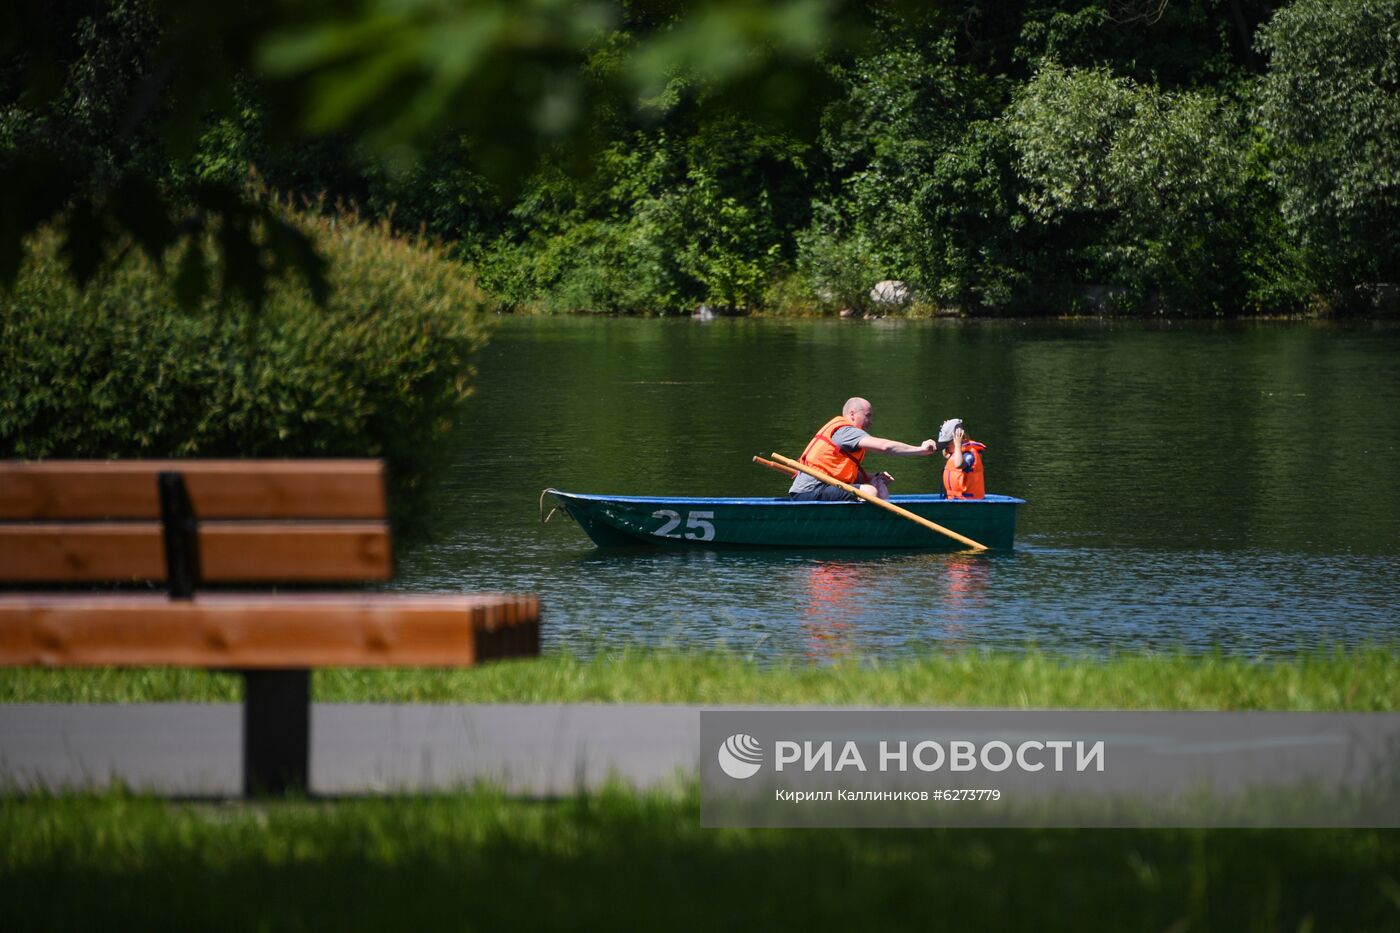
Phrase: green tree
x=397 y=74
x=96 y=100
x=922 y=185
x=1172 y=43
x=1330 y=104
x=1162 y=194
x=699 y=211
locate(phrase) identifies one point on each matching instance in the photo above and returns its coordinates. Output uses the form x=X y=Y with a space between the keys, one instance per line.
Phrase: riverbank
x=806 y=311
x=1362 y=679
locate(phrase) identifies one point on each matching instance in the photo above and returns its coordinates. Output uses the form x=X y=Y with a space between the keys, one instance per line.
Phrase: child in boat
x=962 y=470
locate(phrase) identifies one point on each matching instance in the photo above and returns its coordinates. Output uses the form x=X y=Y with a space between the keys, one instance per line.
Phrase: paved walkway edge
x=195 y=750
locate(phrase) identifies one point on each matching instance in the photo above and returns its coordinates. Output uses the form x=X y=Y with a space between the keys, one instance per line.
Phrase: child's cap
x=945 y=433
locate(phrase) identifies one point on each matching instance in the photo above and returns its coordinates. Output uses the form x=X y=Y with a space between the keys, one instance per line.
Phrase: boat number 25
x=698 y=525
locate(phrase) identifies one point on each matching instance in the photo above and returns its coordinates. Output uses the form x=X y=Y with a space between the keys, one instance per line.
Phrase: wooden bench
x=187 y=523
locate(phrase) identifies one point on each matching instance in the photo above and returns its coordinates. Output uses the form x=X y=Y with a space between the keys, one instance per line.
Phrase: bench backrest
x=256 y=521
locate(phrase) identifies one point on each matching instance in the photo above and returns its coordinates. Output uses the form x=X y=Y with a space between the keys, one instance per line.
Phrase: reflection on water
x=1170 y=503
x=841 y=600
x=964 y=595
x=833 y=587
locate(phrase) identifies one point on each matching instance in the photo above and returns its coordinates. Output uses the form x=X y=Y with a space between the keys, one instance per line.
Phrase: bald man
x=839 y=449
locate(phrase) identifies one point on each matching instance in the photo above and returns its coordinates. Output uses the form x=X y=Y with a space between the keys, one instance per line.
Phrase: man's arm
x=897 y=448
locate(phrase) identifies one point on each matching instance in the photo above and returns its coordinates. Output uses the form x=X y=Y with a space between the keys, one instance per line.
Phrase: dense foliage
x=1208 y=157
x=664 y=220
x=1331 y=107
x=1184 y=158
x=119 y=369
x=1158 y=193
x=1117 y=156
x=80 y=79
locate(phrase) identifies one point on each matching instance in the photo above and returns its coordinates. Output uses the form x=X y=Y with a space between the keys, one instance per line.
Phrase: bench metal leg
x=276 y=732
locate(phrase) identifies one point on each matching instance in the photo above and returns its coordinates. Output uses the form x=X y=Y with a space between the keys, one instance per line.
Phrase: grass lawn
x=638 y=861
x=1358 y=679
x=621 y=859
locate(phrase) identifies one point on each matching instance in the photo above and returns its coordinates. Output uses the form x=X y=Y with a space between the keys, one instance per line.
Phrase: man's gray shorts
x=824 y=493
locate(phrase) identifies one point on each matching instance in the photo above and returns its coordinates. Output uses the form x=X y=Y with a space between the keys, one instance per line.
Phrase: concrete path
x=196 y=749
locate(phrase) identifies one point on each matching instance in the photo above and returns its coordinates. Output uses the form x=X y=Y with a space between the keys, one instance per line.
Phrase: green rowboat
x=630 y=521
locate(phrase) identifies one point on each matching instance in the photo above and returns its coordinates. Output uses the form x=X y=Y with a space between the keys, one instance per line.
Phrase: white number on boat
x=698 y=522
x=673 y=520
x=698 y=525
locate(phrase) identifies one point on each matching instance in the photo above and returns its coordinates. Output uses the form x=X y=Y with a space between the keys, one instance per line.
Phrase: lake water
x=1189 y=487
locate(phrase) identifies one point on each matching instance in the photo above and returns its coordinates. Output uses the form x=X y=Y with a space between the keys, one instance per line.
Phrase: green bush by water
x=120 y=370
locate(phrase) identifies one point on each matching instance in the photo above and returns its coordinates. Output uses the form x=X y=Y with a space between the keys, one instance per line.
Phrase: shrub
x=119 y=369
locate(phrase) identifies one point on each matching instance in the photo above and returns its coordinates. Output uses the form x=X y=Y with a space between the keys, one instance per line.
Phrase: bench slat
x=230 y=552
x=91 y=489
x=265 y=631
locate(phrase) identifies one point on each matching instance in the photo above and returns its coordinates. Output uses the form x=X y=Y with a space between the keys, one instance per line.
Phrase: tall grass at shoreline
x=1356 y=679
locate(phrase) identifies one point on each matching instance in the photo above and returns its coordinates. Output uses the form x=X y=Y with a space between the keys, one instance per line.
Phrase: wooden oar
x=876 y=500
x=775 y=466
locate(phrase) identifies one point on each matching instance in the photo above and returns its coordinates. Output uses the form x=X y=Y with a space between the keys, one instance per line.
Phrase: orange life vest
x=826 y=455
x=965 y=484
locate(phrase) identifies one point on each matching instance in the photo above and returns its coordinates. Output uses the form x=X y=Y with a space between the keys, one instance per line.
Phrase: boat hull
x=631 y=521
